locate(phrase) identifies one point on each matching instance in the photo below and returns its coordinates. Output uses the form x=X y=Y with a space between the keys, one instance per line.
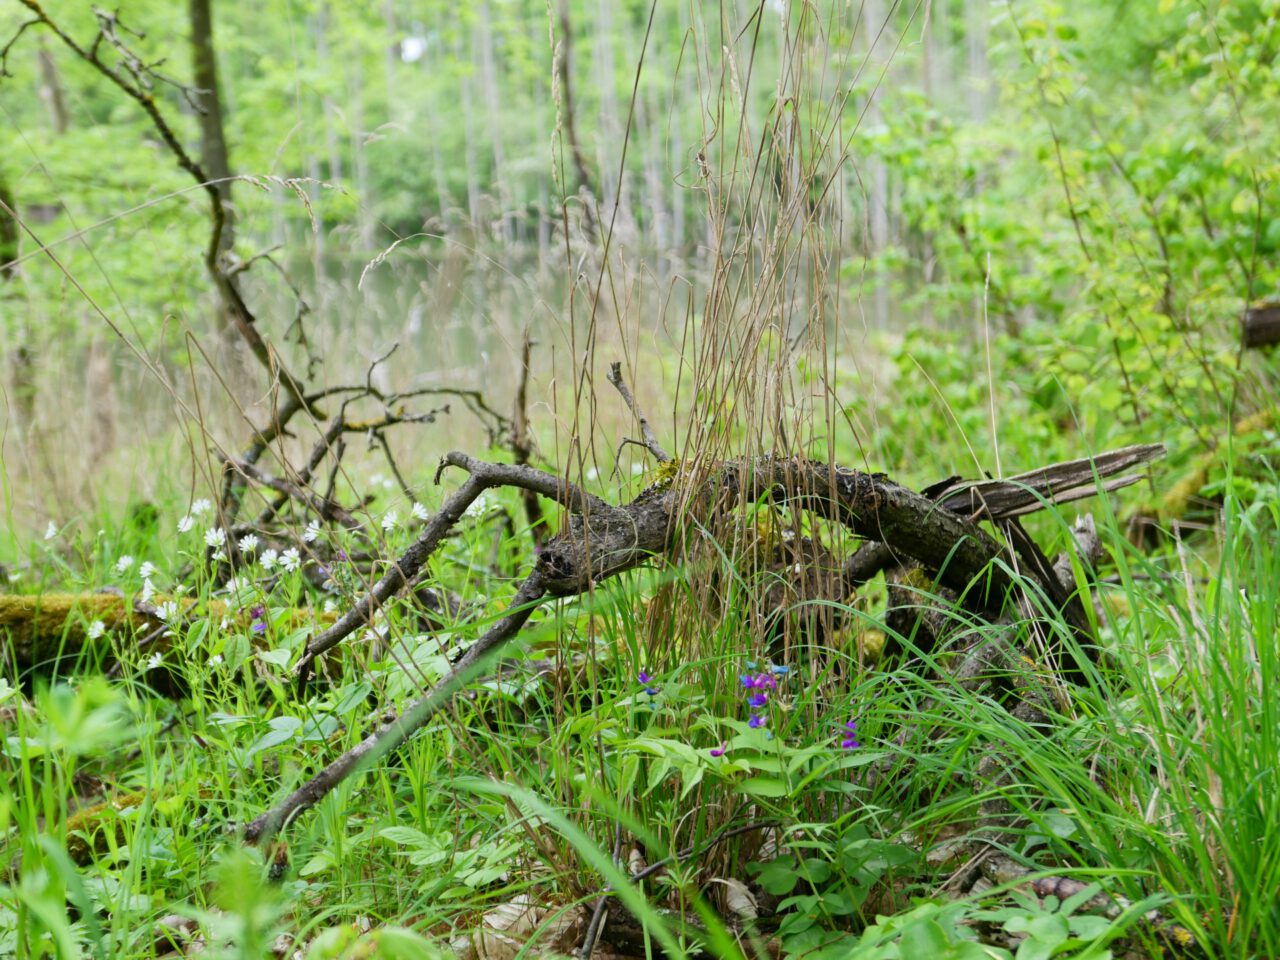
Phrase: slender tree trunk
x=878 y=193
x=213 y=141
x=979 y=69
x=51 y=90
x=22 y=361
x=489 y=81
x=360 y=157
x=565 y=69
x=469 y=137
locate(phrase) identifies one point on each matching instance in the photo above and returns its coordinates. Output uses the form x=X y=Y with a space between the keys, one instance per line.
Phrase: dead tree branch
x=392 y=734
x=482 y=476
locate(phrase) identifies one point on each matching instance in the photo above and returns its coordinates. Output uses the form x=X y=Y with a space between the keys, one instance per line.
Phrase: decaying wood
x=1014 y=497
x=37 y=630
x=1059 y=483
x=1261 y=325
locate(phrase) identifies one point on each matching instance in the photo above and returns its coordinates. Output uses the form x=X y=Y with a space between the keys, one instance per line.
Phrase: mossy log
x=40 y=629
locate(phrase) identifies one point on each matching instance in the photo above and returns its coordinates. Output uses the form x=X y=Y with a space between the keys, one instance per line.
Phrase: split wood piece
x=1058 y=483
x=604 y=540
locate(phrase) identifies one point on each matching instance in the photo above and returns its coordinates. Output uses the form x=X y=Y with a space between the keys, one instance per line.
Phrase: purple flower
x=850 y=741
x=259 y=626
x=719 y=751
x=647 y=681
x=756 y=721
x=758 y=700
x=761 y=681
x=259 y=614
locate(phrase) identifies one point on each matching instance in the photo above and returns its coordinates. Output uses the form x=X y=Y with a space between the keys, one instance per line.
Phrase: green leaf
x=769 y=787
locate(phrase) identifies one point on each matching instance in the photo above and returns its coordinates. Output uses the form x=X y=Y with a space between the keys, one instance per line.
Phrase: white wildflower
x=168 y=610
x=312 y=533
x=224 y=623
x=186 y=523
x=201 y=507
x=389 y=521
x=215 y=660
x=124 y=563
x=215 y=537
x=268 y=559
x=148 y=591
x=478 y=506
x=236 y=584
x=291 y=560
x=593 y=474
x=155 y=660
x=147 y=570
x=96 y=629
x=51 y=530
x=330 y=605
x=419 y=512
x=248 y=543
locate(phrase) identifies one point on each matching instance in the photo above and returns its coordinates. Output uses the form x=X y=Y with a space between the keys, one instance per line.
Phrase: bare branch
x=395 y=732
x=646 y=431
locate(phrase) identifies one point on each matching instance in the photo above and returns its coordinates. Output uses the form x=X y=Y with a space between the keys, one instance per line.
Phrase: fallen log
x=604 y=540
x=37 y=630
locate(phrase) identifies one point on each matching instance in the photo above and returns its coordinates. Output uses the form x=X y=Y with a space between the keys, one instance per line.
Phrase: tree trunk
x=213 y=141
x=51 y=90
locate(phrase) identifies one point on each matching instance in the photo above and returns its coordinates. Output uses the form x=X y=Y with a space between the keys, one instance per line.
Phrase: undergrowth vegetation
x=731 y=750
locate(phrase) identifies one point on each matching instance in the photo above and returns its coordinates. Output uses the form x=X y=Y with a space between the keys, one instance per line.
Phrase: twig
x=646 y=431
x=596 y=926
x=522 y=445
x=327 y=509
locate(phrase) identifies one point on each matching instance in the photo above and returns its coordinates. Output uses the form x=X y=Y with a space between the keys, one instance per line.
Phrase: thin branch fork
x=646 y=430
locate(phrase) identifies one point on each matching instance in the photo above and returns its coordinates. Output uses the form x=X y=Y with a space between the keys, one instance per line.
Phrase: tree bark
x=213 y=141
